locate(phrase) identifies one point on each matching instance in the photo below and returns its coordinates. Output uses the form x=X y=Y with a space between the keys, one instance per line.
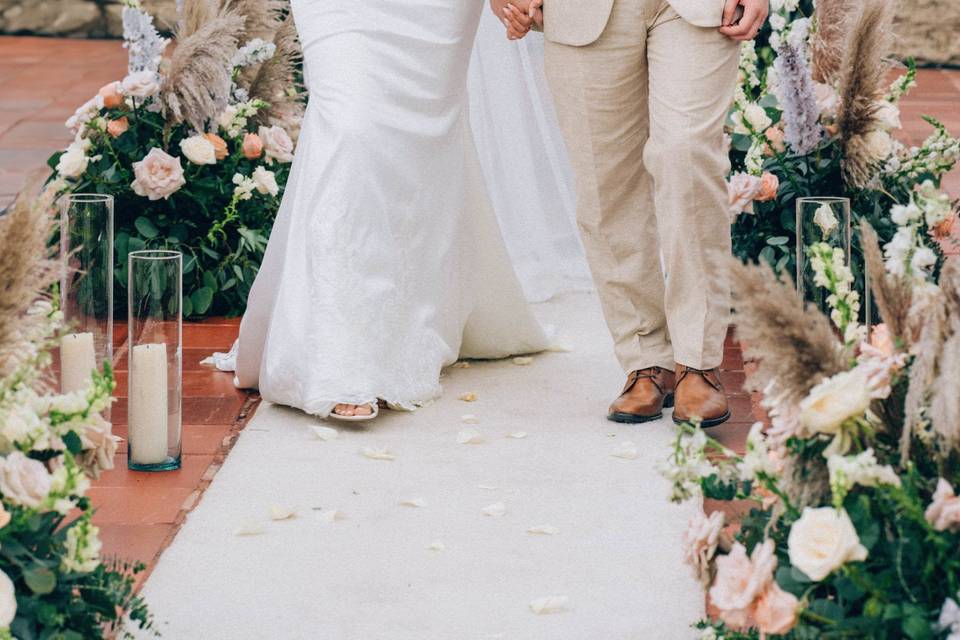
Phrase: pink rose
x=741 y=580
x=742 y=189
x=775 y=141
x=276 y=144
x=769 y=185
x=775 y=610
x=23 y=480
x=944 y=511
x=700 y=542
x=882 y=341
x=118 y=127
x=158 y=175
x=112 y=95
x=252 y=146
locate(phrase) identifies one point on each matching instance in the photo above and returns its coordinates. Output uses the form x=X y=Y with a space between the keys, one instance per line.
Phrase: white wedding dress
x=385 y=262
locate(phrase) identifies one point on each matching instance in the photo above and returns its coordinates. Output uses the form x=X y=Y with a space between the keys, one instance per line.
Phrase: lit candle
x=77 y=361
x=148 y=404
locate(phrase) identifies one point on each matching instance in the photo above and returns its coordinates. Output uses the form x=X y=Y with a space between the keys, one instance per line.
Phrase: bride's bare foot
x=353 y=410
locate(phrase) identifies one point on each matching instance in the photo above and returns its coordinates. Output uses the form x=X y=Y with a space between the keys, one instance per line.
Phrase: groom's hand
x=746 y=28
x=518 y=16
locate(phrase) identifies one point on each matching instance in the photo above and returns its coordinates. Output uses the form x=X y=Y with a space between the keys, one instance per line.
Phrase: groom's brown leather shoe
x=643 y=398
x=700 y=396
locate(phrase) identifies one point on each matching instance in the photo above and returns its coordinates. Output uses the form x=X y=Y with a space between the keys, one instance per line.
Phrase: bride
x=385 y=263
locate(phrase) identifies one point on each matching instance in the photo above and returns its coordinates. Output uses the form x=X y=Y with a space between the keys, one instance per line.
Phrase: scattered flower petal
x=414 y=502
x=250 y=528
x=522 y=361
x=377 y=454
x=469 y=419
x=549 y=604
x=495 y=510
x=278 y=512
x=560 y=347
x=470 y=396
x=517 y=435
x=437 y=546
x=331 y=516
x=462 y=364
x=544 y=529
x=325 y=433
x=627 y=451
x=469 y=436
x=487 y=487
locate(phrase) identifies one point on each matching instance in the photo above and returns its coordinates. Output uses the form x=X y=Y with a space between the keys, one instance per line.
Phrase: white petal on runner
x=280 y=512
x=250 y=528
x=522 y=361
x=487 y=487
x=627 y=451
x=331 y=516
x=495 y=510
x=437 y=546
x=469 y=436
x=469 y=419
x=517 y=435
x=377 y=454
x=470 y=396
x=413 y=502
x=462 y=364
x=325 y=433
x=544 y=530
x=549 y=604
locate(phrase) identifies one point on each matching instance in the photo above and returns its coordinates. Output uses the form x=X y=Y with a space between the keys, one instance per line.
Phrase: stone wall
x=928 y=29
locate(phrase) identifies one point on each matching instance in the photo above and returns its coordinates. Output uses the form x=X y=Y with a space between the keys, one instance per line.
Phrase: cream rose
x=879 y=144
x=742 y=188
x=277 y=145
x=8 y=601
x=266 y=182
x=824 y=218
x=158 y=175
x=199 y=150
x=23 y=480
x=700 y=543
x=741 y=580
x=834 y=401
x=141 y=84
x=73 y=163
x=888 y=114
x=822 y=541
x=753 y=117
x=944 y=511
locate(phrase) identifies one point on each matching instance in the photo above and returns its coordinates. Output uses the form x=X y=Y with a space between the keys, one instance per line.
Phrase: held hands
x=754 y=14
x=518 y=16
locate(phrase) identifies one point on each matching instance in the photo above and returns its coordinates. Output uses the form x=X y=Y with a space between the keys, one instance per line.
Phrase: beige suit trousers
x=642 y=110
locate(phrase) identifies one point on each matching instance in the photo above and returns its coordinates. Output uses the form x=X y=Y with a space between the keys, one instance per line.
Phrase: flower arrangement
x=53 y=582
x=851 y=525
x=195 y=147
x=814 y=115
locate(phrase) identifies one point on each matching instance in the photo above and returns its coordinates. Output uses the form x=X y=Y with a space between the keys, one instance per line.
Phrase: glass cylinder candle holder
x=155 y=296
x=86 y=287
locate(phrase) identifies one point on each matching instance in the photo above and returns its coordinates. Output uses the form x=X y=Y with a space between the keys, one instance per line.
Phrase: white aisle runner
x=372 y=574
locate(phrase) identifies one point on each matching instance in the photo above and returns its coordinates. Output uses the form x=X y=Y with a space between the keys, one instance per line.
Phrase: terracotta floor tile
x=137 y=504
x=732 y=435
x=138 y=542
x=201 y=383
x=195 y=410
x=198 y=439
x=187 y=477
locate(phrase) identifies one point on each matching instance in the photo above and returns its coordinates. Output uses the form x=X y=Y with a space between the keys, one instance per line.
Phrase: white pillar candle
x=148 y=404
x=77 y=361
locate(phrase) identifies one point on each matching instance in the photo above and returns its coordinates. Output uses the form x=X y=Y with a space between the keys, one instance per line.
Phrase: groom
x=642 y=89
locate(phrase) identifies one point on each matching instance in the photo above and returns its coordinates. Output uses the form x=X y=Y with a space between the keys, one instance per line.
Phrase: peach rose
x=882 y=341
x=219 y=145
x=700 y=542
x=832 y=129
x=944 y=511
x=775 y=141
x=944 y=228
x=741 y=580
x=252 y=146
x=23 y=480
x=776 y=610
x=4 y=517
x=112 y=95
x=118 y=127
x=742 y=188
x=769 y=185
x=158 y=175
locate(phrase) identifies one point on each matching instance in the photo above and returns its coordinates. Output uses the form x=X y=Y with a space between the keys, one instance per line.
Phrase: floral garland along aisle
x=851 y=518
x=195 y=147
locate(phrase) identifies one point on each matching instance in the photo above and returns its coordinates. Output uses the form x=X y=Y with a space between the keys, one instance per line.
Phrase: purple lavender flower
x=801 y=116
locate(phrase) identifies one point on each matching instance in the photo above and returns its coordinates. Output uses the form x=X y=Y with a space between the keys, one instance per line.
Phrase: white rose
x=276 y=144
x=199 y=150
x=879 y=144
x=8 y=601
x=158 y=175
x=141 y=84
x=73 y=163
x=755 y=116
x=833 y=401
x=23 y=480
x=827 y=99
x=825 y=219
x=266 y=182
x=888 y=114
x=823 y=540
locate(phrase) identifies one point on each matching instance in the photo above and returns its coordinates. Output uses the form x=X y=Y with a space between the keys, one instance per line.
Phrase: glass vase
x=86 y=287
x=155 y=297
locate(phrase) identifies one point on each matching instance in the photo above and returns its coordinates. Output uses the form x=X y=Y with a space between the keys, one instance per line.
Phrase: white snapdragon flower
x=862 y=470
x=245 y=187
x=82 y=548
x=757 y=458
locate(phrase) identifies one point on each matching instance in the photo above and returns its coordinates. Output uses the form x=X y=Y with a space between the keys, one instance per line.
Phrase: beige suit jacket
x=580 y=22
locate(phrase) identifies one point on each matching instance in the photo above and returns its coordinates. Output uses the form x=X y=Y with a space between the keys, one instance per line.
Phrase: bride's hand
x=516 y=21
